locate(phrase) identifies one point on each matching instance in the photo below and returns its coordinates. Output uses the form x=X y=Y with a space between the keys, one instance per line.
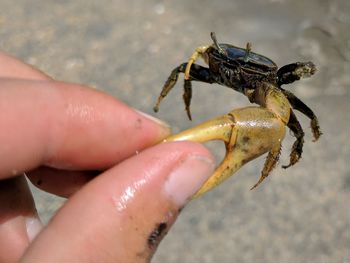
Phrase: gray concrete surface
x=128 y=48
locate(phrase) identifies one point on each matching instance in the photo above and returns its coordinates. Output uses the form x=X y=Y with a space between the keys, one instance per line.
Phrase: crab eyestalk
x=248 y=49
x=220 y=49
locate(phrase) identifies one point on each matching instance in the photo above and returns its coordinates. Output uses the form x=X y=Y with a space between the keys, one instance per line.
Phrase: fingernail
x=188 y=177
x=33 y=226
x=158 y=121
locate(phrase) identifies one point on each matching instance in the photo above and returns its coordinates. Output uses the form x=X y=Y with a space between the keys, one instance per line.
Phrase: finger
x=19 y=221
x=68 y=126
x=63 y=183
x=125 y=212
x=11 y=67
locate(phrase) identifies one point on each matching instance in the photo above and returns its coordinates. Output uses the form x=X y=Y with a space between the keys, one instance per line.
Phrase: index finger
x=68 y=126
x=11 y=67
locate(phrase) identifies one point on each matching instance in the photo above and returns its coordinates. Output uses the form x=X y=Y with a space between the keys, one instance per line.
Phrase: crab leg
x=270 y=163
x=199 y=51
x=298 y=132
x=197 y=73
x=169 y=84
x=303 y=108
x=295 y=71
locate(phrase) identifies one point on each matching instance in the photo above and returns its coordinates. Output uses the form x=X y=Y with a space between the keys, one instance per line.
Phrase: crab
x=252 y=131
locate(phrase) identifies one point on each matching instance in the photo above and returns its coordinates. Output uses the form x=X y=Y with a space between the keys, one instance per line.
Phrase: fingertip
x=154 y=119
x=11 y=67
x=157 y=129
x=163 y=128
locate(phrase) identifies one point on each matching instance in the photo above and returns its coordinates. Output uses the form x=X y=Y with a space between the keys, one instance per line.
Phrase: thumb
x=122 y=215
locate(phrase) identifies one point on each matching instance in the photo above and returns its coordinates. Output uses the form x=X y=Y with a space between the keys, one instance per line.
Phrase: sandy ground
x=127 y=48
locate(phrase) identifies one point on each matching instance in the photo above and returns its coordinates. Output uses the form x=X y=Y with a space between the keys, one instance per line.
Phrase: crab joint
x=199 y=51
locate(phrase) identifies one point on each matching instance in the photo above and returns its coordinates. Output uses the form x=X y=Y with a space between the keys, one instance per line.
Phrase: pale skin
x=60 y=135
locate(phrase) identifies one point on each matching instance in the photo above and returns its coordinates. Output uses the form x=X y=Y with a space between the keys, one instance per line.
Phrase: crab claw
x=220 y=128
x=247 y=133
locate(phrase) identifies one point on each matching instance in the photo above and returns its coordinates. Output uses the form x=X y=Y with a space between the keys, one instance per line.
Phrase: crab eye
x=247 y=52
x=216 y=44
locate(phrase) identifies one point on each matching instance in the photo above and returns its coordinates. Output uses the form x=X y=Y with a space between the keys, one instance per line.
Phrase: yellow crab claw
x=220 y=128
x=247 y=133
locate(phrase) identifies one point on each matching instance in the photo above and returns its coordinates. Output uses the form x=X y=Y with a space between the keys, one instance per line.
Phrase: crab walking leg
x=199 y=51
x=187 y=96
x=169 y=84
x=303 y=108
x=297 y=149
x=295 y=71
x=270 y=163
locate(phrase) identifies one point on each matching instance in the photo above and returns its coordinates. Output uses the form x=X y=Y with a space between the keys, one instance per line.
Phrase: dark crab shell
x=234 y=55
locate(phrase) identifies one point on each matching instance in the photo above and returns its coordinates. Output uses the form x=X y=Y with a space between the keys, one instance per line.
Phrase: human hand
x=60 y=135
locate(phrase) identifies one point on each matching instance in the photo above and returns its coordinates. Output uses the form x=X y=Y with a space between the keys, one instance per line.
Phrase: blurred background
x=128 y=48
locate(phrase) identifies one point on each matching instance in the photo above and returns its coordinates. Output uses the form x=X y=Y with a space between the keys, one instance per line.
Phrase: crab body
x=251 y=131
x=236 y=69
